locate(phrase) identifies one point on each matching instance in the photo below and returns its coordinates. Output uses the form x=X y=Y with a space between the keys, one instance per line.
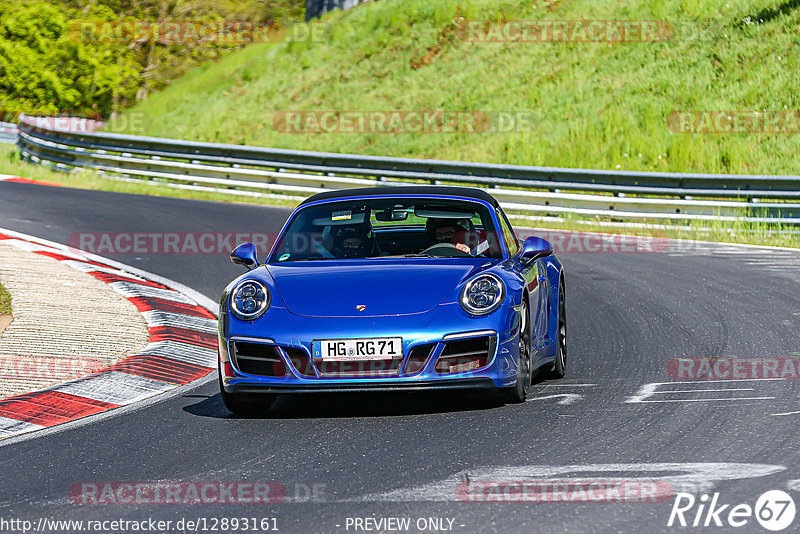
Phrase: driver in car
x=450 y=231
x=355 y=241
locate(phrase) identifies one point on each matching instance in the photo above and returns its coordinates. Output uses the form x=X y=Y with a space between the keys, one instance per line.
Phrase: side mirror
x=534 y=248
x=245 y=254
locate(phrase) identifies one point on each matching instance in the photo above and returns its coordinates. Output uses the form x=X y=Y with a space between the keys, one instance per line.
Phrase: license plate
x=378 y=348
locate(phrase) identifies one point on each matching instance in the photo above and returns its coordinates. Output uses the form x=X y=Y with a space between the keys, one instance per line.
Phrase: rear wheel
x=519 y=392
x=560 y=363
x=244 y=403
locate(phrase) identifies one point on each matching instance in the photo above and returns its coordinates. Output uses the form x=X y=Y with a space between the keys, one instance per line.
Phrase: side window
x=508 y=234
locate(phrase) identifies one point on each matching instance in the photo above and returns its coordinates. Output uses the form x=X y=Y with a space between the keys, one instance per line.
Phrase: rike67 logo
x=774 y=510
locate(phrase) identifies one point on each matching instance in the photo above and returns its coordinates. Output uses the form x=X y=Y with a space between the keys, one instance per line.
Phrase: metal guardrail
x=616 y=195
x=8 y=132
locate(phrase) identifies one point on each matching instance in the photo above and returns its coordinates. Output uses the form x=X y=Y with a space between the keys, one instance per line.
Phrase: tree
x=48 y=66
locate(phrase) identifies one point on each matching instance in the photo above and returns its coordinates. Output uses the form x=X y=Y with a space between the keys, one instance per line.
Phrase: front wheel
x=519 y=392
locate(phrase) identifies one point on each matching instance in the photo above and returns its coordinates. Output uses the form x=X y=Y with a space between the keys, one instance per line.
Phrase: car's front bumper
x=288 y=332
x=469 y=384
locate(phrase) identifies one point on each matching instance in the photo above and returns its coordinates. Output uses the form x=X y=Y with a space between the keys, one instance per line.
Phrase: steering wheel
x=446 y=250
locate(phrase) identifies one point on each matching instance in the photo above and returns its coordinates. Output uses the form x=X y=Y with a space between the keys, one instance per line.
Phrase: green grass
x=596 y=105
x=5 y=301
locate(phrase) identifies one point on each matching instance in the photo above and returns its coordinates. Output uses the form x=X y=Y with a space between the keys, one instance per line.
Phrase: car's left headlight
x=249 y=300
x=483 y=294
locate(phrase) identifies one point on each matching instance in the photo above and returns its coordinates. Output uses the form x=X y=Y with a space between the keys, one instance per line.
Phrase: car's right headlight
x=483 y=294
x=249 y=300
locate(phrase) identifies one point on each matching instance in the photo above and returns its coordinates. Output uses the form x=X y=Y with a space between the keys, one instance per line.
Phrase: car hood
x=383 y=287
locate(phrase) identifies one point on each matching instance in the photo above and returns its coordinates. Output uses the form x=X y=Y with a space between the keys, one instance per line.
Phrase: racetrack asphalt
x=379 y=456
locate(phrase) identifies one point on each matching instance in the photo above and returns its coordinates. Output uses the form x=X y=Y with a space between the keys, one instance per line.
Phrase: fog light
x=459 y=364
x=465 y=366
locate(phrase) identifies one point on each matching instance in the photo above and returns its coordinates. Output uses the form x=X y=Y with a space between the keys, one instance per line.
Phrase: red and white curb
x=20 y=180
x=183 y=345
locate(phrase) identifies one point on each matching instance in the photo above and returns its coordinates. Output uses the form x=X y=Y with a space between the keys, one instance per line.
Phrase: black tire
x=560 y=364
x=245 y=404
x=519 y=392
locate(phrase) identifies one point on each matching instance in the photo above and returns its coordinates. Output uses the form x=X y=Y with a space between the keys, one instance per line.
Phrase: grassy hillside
x=602 y=105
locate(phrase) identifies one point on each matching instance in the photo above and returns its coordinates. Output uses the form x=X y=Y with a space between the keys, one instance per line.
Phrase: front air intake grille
x=417 y=358
x=466 y=354
x=300 y=361
x=258 y=359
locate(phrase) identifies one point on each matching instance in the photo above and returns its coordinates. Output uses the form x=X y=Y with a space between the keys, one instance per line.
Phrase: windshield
x=389 y=228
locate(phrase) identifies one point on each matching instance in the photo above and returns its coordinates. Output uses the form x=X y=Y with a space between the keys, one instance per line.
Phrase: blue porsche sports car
x=393 y=288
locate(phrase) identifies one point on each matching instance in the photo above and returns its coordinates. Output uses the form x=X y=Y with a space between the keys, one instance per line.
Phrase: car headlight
x=483 y=294
x=249 y=300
